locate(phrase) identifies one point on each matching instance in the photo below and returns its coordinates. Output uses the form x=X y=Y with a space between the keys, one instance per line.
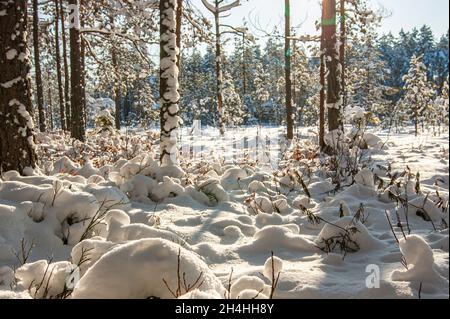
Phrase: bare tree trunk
x=66 y=68
x=78 y=131
x=219 y=72
x=17 y=149
x=334 y=98
x=83 y=66
x=117 y=88
x=288 y=78
x=169 y=86
x=322 y=99
x=178 y=31
x=37 y=67
x=50 y=100
x=244 y=68
x=343 y=39
x=416 y=118
x=62 y=111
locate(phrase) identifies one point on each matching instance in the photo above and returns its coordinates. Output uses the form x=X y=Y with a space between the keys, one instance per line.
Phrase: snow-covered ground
x=119 y=227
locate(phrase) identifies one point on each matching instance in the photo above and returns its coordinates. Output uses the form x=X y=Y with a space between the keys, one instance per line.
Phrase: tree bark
x=178 y=31
x=169 y=115
x=37 y=67
x=219 y=72
x=334 y=98
x=50 y=101
x=288 y=78
x=17 y=149
x=83 y=65
x=322 y=99
x=78 y=131
x=343 y=30
x=62 y=111
x=117 y=80
x=66 y=68
x=117 y=88
x=244 y=69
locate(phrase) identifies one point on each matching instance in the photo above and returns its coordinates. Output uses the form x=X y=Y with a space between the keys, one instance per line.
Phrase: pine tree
x=17 y=149
x=418 y=93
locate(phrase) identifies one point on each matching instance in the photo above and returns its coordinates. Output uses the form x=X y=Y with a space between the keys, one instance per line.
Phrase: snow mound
x=43 y=280
x=277 y=238
x=273 y=267
x=12 y=230
x=365 y=178
x=231 y=178
x=425 y=207
x=420 y=260
x=246 y=283
x=137 y=269
x=250 y=294
x=120 y=229
x=89 y=251
x=214 y=190
x=303 y=202
x=349 y=234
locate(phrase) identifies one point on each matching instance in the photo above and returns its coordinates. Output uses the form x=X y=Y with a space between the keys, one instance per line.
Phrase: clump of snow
x=43 y=279
x=231 y=178
x=246 y=283
x=302 y=202
x=277 y=238
x=365 y=178
x=139 y=268
x=273 y=267
x=420 y=260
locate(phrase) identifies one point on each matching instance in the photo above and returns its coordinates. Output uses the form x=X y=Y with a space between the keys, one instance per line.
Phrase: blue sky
x=405 y=14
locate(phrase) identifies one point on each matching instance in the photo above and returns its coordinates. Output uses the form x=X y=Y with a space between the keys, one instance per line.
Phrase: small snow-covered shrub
x=43 y=280
x=346 y=234
x=104 y=122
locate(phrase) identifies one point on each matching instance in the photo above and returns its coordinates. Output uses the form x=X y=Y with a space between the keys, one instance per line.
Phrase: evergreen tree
x=418 y=94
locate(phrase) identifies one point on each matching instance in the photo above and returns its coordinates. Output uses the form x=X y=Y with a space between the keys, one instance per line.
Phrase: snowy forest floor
x=133 y=232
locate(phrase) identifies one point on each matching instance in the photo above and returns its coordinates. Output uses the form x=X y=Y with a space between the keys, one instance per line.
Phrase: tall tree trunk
x=322 y=98
x=178 y=31
x=78 y=131
x=343 y=40
x=334 y=98
x=179 y=24
x=117 y=88
x=66 y=68
x=219 y=72
x=169 y=86
x=244 y=68
x=117 y=79
x=37 y=67
x=62 y=111
x=83 y=65
x=50 y=100
x=416 y=117
x=17 y=149
x=288 y=78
